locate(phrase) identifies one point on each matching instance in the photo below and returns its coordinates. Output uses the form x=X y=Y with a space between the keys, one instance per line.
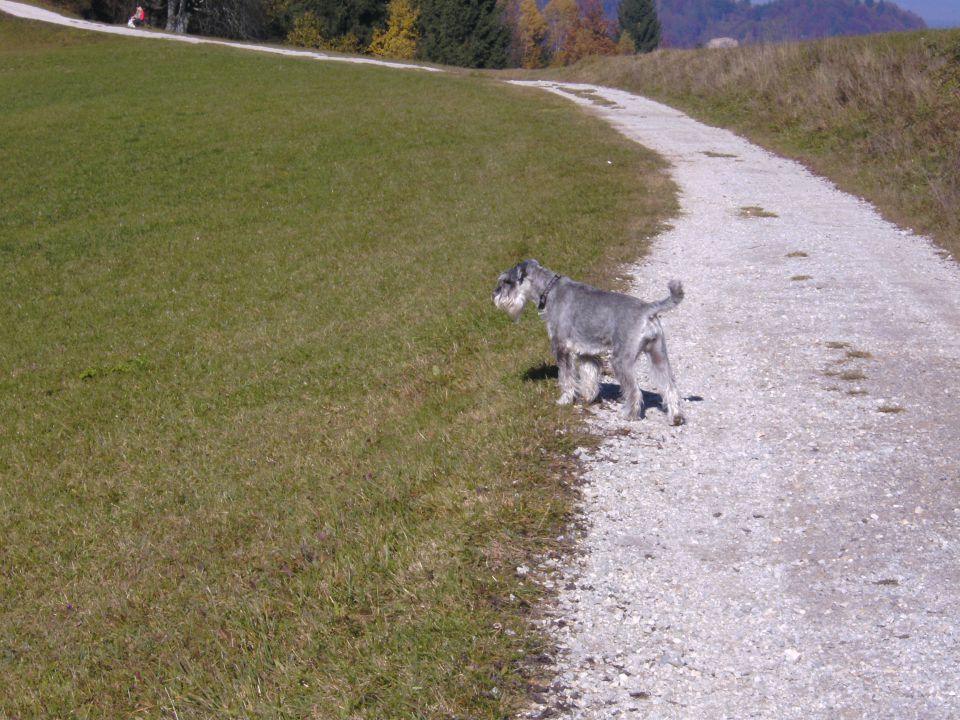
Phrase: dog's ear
x=526 y=267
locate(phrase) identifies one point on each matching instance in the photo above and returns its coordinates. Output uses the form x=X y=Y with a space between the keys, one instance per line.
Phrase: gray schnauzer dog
x=585 y=323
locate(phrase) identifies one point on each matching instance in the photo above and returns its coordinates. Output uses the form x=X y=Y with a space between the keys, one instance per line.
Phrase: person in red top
x=138 y=19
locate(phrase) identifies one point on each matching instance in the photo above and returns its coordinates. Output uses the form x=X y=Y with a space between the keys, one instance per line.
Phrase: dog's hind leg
x=588 y=378
x=662 y=375
x=625 y=368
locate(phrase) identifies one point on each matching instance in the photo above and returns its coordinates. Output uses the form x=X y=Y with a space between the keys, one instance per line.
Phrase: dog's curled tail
x=670 y=302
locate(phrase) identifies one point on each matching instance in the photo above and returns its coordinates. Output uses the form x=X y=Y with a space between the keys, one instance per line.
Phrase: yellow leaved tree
x=530 y=34
x=400 y=38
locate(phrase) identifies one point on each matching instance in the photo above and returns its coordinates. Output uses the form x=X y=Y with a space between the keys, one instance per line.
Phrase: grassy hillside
x=266 y=448
x=879 y=115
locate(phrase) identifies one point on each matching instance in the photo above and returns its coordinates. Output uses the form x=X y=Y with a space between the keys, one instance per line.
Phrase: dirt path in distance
x=31 y=12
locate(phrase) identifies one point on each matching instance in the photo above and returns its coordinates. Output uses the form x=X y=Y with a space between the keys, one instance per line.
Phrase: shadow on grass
x=541 y=372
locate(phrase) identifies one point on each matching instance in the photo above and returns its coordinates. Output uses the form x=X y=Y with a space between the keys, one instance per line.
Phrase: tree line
x=466 y=33
x=692 y=23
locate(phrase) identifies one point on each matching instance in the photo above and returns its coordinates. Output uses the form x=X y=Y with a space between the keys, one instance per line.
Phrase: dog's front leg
x=567 y=374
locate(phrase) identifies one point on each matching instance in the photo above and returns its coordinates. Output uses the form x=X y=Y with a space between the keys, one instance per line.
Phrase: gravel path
x=791 y=552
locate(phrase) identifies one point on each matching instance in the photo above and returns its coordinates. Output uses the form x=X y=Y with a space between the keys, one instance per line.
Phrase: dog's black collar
x=546 y=291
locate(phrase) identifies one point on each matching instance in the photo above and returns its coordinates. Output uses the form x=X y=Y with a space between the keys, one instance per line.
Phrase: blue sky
x=936 y=13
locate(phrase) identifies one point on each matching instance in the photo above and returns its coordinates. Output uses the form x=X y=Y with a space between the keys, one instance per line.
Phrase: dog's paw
x=566 y=399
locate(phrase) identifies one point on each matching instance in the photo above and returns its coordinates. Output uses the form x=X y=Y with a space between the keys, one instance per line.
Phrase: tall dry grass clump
x=879 y=115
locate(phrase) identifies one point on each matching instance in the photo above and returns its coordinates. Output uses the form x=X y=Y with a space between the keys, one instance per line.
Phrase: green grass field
x=266 y=448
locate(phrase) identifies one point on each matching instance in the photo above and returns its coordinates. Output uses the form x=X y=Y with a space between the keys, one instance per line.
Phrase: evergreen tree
x=639 y=19
x=466 y=33
x=347 y=23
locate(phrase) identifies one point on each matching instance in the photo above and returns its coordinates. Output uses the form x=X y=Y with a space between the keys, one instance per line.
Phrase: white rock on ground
x=791 y=552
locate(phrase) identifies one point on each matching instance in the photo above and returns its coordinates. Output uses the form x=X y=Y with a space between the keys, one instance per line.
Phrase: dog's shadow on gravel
x=609 y=392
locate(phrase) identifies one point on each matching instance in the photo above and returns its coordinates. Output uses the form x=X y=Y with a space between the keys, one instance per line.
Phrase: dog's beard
x=511 y=305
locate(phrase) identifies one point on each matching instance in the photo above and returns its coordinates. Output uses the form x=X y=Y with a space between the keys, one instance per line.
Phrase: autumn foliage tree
x=593 y=32
x=529 y=31
x=577 y=30
x=402 y=34
x=562 y=17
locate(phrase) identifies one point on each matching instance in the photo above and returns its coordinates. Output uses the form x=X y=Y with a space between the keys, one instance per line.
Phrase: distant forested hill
x=689 y=23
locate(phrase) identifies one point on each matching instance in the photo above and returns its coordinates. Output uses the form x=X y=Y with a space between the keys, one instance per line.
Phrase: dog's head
x=513 y=288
